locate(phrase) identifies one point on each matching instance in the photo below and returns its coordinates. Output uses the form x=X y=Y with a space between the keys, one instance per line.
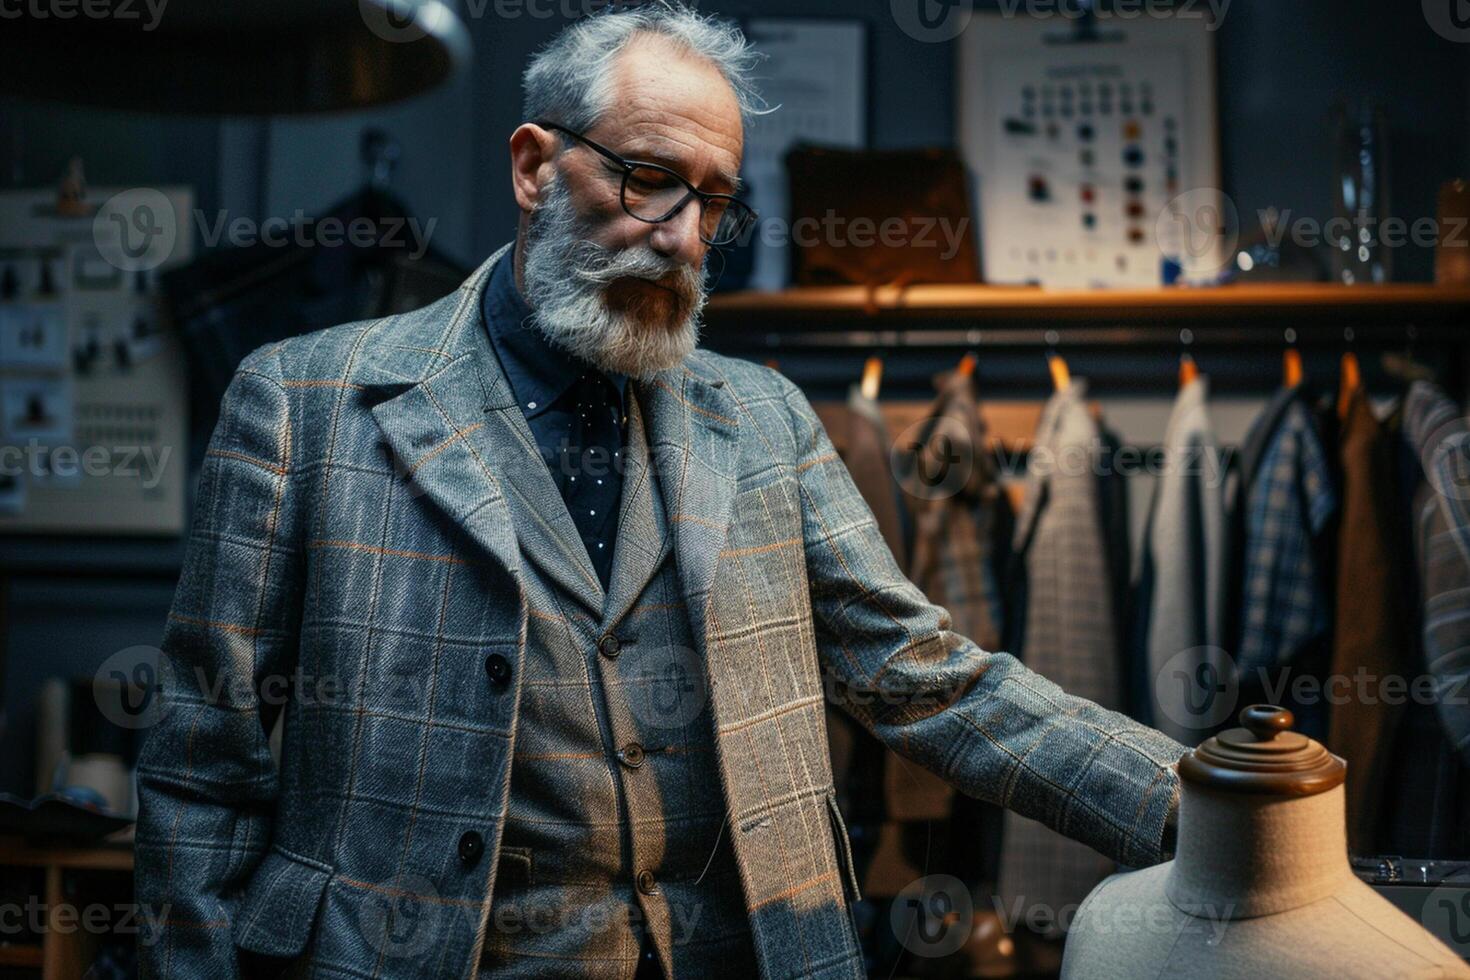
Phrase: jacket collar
x=454 y=430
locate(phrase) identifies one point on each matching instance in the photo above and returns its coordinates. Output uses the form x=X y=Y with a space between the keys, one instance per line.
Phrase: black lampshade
x=232 y=56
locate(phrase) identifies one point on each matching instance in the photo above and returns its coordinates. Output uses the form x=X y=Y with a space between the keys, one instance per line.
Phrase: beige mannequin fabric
x=1260 y=887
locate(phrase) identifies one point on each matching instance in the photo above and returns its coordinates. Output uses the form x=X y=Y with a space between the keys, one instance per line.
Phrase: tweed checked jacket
x=352 y=525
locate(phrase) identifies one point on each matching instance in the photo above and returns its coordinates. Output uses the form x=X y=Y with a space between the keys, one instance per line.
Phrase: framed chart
x=1095 y=151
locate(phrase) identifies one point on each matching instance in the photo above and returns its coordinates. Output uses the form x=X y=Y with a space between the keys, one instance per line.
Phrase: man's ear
x=532 y=151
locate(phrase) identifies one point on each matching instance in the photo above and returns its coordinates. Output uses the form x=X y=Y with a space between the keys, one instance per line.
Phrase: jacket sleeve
x=980 y=720
x=207 y=782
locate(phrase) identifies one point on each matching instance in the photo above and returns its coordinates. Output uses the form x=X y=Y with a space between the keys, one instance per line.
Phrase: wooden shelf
x=70 y=877
x=18 y=853
x=21 y=955
x=979 y=302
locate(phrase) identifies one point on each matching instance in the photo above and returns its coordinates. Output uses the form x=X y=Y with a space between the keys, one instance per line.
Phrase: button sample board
x=1095 y=153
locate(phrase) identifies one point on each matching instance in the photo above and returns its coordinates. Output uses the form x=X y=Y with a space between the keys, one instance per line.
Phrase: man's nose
x=678 y=238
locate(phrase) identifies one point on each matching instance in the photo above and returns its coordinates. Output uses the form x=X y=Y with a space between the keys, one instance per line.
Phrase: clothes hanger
x=1291 y=362
x=1061 y=375
x=1405 y=367
x=1351 y=380
x=872 y=377
x=1188 y=369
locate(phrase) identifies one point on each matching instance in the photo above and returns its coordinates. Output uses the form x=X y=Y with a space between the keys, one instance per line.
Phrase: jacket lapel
x=452 y=424
x=693 y=441
x=548 y=535
x=643 y=532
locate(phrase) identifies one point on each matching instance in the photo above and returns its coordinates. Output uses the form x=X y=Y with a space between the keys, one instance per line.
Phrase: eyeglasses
x=654 y=194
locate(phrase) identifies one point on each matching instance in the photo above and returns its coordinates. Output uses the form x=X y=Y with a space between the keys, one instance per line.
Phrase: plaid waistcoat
x=616 y=822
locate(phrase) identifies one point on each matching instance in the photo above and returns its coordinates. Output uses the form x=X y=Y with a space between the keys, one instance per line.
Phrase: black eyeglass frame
x=628 y=166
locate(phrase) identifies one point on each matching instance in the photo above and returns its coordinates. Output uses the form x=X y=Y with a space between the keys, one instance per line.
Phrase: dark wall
x=1282 y=66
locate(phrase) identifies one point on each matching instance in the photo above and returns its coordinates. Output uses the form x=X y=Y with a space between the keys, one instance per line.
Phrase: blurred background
x=1135 y=194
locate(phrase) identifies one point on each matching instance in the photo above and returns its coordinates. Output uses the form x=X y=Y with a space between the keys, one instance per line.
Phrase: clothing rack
x=1125 y=342
x=963 y=338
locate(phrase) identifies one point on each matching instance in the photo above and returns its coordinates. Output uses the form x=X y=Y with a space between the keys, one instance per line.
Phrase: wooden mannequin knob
x=1266 y=721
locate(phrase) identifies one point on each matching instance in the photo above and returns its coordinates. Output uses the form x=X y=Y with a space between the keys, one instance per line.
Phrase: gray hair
x=569 y=81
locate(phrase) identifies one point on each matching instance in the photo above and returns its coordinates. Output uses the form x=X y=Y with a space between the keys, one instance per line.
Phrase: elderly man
x=556 y=598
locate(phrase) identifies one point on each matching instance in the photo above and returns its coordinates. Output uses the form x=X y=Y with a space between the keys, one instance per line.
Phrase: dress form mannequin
x=1260 y=885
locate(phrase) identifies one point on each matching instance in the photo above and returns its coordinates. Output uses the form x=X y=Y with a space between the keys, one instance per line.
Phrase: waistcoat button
x=498 y=669
x=471 y=846
x=631 y=755
x=646 y=883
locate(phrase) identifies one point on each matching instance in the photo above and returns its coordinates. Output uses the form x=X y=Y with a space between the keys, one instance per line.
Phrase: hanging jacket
x=1180 y=595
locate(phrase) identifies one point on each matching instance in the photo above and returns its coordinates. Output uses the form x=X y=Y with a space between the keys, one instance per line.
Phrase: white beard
x=566 y=276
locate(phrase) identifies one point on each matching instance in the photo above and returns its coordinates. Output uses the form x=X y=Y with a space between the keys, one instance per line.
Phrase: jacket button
x=631 y=755
x=471 y=846
x=646 y=882
x=498 y=669
x=609 y=646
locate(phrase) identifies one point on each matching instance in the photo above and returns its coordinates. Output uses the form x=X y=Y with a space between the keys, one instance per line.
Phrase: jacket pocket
x=516 y=866
x=843 y=846
x=280 y=905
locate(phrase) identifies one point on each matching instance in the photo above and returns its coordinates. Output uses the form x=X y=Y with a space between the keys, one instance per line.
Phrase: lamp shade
x=230 y=56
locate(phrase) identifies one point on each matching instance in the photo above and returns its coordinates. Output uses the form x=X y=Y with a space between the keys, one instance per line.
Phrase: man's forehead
x=674 y=104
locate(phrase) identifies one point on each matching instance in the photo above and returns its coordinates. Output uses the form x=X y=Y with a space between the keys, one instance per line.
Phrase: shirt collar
x=539 y=372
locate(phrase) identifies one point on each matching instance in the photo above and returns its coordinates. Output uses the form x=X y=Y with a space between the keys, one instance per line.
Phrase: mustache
x=596 y=266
